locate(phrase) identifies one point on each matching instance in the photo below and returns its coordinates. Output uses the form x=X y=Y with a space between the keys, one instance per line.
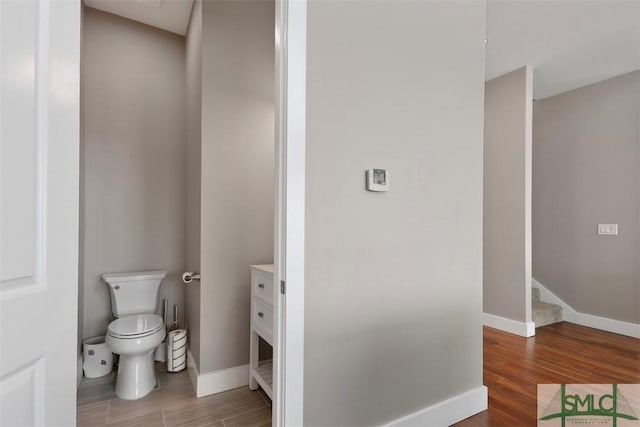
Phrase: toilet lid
x=138 y=324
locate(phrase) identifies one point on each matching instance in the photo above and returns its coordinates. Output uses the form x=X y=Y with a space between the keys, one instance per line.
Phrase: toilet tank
x=135 y=292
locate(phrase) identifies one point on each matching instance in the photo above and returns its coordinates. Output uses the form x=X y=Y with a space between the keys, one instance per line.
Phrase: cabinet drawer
x=263 y=288
x=263 y=317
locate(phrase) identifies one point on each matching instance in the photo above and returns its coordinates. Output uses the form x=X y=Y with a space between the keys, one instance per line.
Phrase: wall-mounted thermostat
x=377 y=180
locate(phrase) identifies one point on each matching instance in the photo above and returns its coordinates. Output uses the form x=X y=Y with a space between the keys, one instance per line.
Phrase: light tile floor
x=171 y=403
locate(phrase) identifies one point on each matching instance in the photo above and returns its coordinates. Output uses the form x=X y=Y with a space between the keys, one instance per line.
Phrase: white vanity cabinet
x=261 y=373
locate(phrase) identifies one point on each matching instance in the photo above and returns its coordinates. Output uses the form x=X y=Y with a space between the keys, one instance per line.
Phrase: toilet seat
x=136 y=326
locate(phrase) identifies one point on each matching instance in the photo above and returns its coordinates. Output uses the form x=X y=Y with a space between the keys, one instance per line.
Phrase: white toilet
x=136 y=332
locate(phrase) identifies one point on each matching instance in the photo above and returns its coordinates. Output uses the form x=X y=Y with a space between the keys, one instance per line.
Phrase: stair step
x=546 y=314
x=535 y=295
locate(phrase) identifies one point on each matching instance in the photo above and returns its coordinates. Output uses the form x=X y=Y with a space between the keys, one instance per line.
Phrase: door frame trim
x=290 y=129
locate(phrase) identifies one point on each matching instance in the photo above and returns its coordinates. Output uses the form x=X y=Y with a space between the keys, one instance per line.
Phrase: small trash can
x=97 y=357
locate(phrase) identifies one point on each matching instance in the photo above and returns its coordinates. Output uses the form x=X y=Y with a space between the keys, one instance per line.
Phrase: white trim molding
x=524 y=329
x=288 y=351
x=589 y=320
x=447 y=412
x=216 y=381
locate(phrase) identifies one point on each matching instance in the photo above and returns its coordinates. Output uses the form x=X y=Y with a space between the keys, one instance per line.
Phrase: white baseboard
x=217 y=381
x=79 y=373
x=597 y=322
x=524 y=329
x=448 y=412
x=222 y=380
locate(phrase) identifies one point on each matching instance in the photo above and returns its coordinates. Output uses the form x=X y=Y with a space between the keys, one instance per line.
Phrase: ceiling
x=170 y=15
x=569 y=43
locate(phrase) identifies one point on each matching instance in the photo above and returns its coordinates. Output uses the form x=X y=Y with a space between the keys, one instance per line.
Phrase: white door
x=39 y=145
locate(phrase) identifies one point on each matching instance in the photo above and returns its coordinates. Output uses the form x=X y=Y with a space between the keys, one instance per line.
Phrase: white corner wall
x=238 y=162
x=507 y=202
x=393 y=281
x=193 y=71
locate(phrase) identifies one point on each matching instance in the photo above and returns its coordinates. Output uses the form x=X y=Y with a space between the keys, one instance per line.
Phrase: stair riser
x=543 y=313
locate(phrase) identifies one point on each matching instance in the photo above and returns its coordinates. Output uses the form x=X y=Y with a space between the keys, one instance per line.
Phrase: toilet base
x=136 y=375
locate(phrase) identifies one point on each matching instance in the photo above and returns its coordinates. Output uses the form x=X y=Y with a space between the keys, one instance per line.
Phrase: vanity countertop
x=267 y=268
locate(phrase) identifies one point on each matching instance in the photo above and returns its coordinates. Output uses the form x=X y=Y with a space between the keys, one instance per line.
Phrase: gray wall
x=393 y=281
x=507 y=196
x=585 y=172
x=133 y=101
x=238 y=173
x=193 y=55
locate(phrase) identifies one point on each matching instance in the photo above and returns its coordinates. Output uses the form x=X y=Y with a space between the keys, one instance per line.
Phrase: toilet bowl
x=135 y=338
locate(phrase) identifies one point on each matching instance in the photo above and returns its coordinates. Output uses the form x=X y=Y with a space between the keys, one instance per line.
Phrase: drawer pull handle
x=260 y=314
x=261 y=285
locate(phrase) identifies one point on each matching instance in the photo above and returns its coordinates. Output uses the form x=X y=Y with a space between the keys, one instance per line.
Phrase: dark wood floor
x=513 y=367
x=559 y=353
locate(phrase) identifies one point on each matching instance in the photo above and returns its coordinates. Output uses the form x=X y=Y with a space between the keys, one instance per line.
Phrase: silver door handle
x=190 y=276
